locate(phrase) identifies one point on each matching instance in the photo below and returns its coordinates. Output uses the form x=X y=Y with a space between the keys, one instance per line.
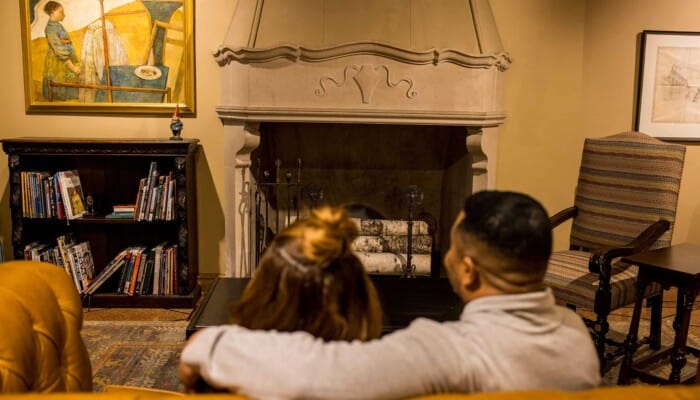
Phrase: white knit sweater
x=504 y=342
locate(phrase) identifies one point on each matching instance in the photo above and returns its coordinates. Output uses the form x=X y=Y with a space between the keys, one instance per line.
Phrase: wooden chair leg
x=600 y=330
x=656 y=303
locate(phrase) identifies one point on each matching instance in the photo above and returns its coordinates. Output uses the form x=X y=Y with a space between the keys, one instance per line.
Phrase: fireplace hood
x=396 y=62
x=371 y=61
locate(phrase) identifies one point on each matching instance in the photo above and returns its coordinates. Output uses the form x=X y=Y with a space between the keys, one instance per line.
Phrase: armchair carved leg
x=603 y=297
x=601 y=328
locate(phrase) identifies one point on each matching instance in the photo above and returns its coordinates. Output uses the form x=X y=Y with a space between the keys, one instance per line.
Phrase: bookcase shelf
x=110 y=170
x=95 y=219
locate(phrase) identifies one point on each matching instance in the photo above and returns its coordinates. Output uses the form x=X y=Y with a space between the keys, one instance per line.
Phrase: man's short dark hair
x=512 y=224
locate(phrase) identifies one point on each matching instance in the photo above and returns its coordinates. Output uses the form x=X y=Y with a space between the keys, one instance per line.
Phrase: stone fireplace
x=381 y=93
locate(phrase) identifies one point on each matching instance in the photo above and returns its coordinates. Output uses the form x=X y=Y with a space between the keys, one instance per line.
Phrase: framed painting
x=668 y=89
x=108 y=56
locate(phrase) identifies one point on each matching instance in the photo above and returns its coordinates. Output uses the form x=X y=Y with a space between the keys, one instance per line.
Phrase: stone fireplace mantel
x=417 y=62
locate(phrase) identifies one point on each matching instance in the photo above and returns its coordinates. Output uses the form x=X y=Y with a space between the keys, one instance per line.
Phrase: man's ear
x=469 y=274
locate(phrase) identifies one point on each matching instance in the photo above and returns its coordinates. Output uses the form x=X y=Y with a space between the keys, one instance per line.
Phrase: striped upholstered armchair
x=625 y=203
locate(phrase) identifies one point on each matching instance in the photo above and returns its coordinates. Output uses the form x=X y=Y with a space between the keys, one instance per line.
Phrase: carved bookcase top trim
x=73 y=146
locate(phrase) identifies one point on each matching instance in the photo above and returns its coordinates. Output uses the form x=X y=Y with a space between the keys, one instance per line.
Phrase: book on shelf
x=57 y=195
x=63 y=242
x=144 y=271
x=40 y=252
x=132 y=266
x=60 y=208
x=124 y=208
x=120 y=215
x=72 y=192
x=155 y=198
x=84 y=263
x=139 y=262
x=149 y=184
x=112 y=267
x=139 y=198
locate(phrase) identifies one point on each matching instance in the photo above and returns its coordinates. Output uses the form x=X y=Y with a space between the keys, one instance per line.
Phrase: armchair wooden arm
x=602 y=256
x=563 y=215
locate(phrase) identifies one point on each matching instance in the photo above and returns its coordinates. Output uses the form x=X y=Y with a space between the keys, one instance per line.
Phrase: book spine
x=45 y=197
x=51 y=196
x=125 y=270
x=156 y=271
x=170 y=215
x=148 y=187
x=60 y=211
x=36 y=196
x=75 y=268
x=142 y=272
x=107 y=272
x=63 y=242
x=147 y=285
x=139 y=196
x=135 y=272
x=87 y=264
x=65 y=198
x=174 y=269
x=164 y=198
x=152 y=203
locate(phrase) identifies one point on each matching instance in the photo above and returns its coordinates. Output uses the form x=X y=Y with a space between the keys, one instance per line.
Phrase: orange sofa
x=611 y=393
x=40 y=319
x=41 y=349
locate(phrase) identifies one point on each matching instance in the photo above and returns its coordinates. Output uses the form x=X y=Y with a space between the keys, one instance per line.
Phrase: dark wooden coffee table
x=675 y=266
x=403 y=300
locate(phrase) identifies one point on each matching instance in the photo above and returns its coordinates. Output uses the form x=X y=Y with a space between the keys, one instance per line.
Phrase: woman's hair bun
x=337 y=222
x=325 y=235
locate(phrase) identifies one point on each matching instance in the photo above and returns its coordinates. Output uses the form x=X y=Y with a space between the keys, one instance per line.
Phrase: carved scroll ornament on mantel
x=248 y=55
x=367 y=78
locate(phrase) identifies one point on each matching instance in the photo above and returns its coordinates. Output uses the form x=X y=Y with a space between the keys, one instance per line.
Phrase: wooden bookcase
x=110 y=170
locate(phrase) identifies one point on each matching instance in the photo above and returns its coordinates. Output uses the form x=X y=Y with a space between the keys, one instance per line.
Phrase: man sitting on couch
x=510 y=336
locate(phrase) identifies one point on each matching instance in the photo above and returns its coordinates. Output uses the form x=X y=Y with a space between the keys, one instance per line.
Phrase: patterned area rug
x=135 y=353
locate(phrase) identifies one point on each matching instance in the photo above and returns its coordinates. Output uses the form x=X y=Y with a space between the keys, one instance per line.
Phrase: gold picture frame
x=150 y=67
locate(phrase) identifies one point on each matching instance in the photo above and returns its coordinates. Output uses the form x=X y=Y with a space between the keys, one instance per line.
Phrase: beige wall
x=572 y=77
x=609 y=79
x=540 y=142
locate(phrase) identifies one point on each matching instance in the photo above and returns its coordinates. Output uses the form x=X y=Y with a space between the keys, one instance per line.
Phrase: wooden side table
x=674 y=266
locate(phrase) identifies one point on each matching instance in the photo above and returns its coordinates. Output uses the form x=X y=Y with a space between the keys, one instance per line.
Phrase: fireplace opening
x=370 y=170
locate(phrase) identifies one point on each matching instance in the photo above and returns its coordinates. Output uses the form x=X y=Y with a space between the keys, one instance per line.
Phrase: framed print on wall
x=108 y=56
x=668 y=90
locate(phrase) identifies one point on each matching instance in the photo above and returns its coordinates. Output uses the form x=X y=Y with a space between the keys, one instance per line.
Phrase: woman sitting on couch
x=309 y=280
